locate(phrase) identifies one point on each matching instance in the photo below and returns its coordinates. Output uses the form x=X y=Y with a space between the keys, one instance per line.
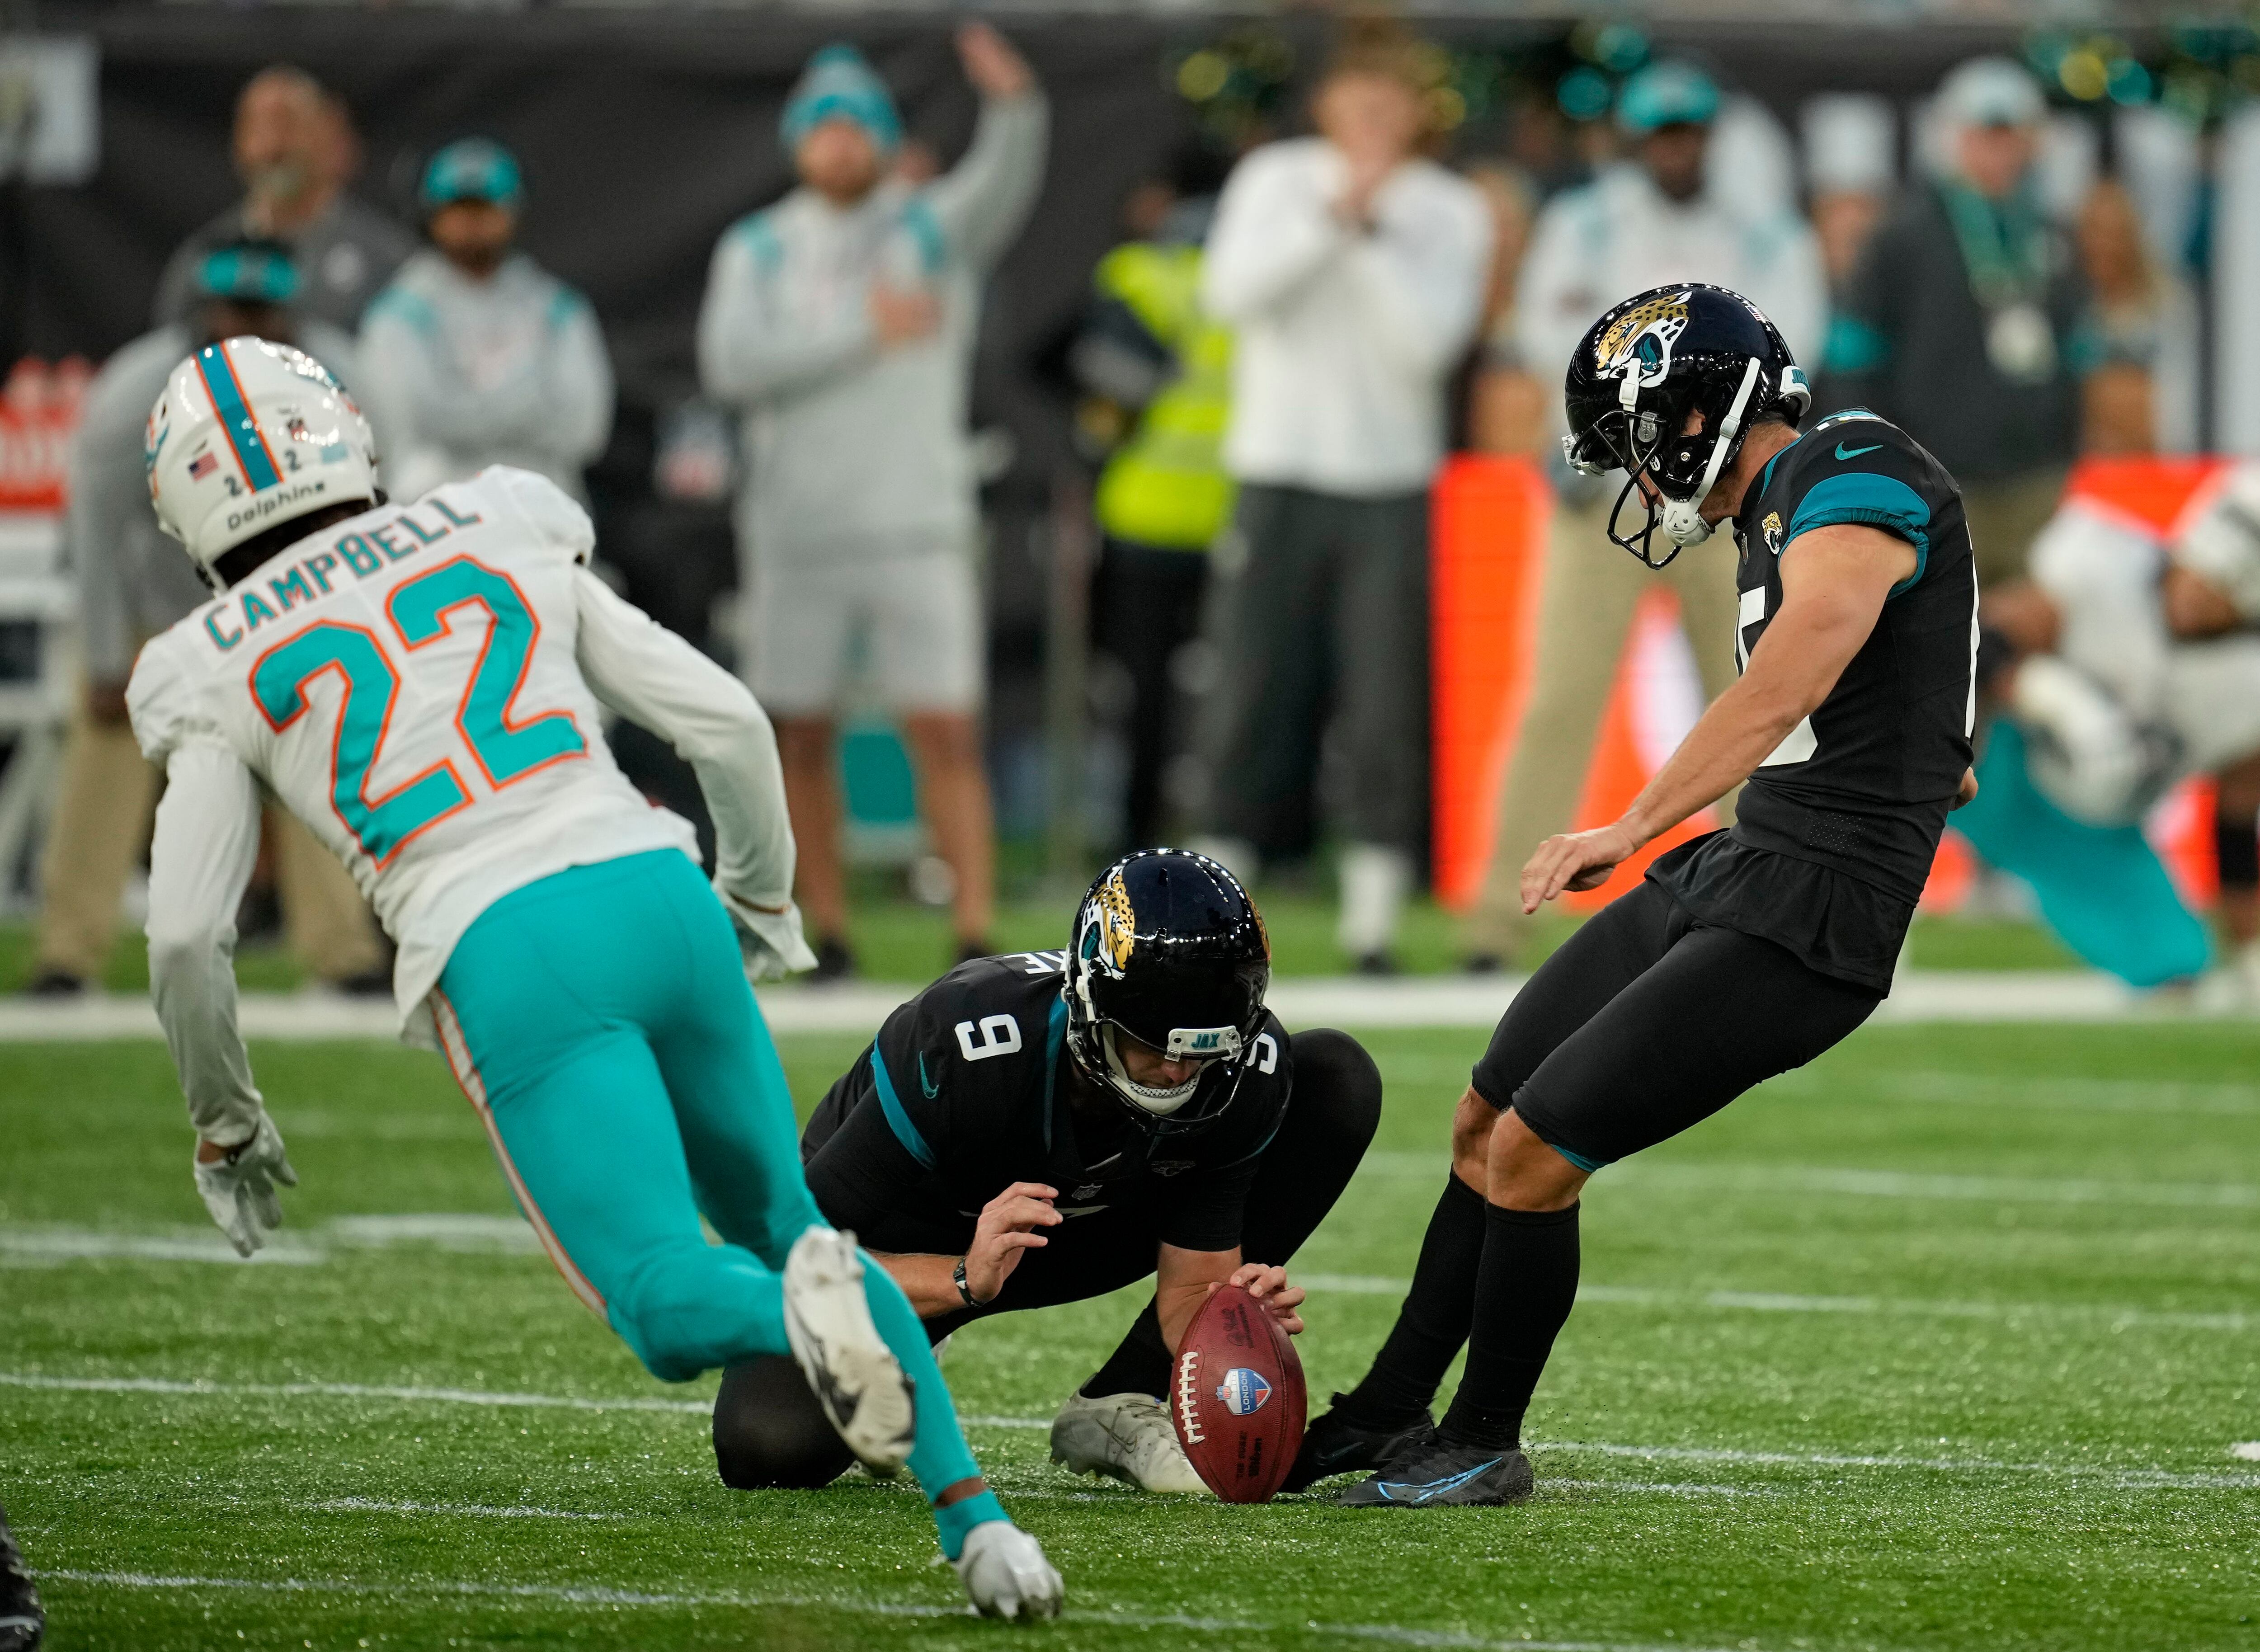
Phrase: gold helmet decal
x=1643 y=338
x=1117 y=924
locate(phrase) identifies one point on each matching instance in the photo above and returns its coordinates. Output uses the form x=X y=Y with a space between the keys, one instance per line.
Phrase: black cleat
x=1446 y=1476
x=21 y=1621
x=51 y=983
x=1337 y=1444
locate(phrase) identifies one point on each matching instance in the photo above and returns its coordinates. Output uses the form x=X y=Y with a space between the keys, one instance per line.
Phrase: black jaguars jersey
x=1855 y=798
x=1864 y=783
x=967 y=1090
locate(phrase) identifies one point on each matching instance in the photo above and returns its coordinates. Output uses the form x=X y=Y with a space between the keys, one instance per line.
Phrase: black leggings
x=768 y=1430
x=1646 y=1022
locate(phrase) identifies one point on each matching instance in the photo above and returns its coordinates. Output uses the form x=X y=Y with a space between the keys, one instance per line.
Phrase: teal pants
x=600 y=1022
x=2102 y=889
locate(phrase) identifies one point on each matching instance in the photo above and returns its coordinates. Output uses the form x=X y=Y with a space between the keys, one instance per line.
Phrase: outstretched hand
x=992 y=64
x=1575 y=861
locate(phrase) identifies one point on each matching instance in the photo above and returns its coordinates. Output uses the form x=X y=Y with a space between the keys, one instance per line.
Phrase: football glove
x=769 y=940
x=239 y=1189
x=1006 y=1573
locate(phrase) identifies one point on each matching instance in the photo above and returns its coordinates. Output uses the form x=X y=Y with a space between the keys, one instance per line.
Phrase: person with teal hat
x=839 y=323
x=475 y=355
x=133 y=583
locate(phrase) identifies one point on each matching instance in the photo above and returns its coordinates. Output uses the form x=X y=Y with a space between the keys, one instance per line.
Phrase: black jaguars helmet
x=1646 y=364
x=1168 y=948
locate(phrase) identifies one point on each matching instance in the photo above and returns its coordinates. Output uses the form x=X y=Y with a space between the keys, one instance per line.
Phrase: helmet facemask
x=1651 y=441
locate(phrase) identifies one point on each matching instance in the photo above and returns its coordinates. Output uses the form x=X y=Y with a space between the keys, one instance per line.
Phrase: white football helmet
x=2222 y=546
x=248 y=434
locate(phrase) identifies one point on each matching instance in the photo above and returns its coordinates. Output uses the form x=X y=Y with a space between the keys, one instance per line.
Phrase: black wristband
x=964 y=1290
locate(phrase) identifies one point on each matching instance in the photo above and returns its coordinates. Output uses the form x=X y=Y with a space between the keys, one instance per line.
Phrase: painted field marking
x=2044 y=1092
x=474 y=1511
x=1774 y=1302
x=1383 y=1634
x=466 y=1233
x=1870 y=1183
x=2130 y=1478
x=198 y=1389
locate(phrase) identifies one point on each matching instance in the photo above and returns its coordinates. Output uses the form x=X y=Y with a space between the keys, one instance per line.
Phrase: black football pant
x=1145 y=607
x=1646 y=1022
x=768 y=1430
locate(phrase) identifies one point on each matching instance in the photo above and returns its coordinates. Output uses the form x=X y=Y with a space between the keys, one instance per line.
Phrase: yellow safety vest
x=1165 y=484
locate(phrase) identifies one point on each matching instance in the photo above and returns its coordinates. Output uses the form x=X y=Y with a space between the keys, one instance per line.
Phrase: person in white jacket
x=1353 y=269
x=475 y=355
x=1660 y=216
x=840 y=323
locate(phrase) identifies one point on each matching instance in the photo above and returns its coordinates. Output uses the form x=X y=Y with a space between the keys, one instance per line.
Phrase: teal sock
x=939 y=1457
x=956 y=1522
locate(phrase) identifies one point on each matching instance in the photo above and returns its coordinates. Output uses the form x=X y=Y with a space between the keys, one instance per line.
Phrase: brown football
x=1238 y=1399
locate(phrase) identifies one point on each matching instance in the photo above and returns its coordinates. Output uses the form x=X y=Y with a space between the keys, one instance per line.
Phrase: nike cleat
x=854 y=1375
x=1127 y=1435
x=1334 y=1445
x=1446 y=1476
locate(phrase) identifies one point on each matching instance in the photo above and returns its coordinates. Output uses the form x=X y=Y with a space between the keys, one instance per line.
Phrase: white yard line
x=473 y=1510
x=1772 y=1302
x=347 y=1390
x=1384 y=1633
x=2131 y=1478
x=473 y=1233
x=1858 y=1183
x=1412 y=1001
x=47 y=1245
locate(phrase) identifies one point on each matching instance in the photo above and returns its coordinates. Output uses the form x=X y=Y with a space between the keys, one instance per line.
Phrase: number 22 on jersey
x=421 y=610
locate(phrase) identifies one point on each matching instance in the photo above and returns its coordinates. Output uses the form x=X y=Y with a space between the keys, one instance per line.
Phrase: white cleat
x=1127 y=1435
x=1006 y=1573
x=855 y=1376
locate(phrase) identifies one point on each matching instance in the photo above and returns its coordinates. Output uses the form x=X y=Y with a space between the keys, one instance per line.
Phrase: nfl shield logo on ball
x=1243 y=1392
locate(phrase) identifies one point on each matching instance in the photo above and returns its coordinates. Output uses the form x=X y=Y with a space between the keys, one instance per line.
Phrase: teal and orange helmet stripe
x=252 y=455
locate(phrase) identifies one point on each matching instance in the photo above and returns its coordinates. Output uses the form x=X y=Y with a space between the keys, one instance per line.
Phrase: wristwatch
x=964 y=1290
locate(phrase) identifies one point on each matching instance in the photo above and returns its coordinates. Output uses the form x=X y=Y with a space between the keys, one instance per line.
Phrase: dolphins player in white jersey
x=420 y=685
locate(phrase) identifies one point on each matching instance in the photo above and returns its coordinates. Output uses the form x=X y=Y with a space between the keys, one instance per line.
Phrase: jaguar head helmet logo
x=1639 y=341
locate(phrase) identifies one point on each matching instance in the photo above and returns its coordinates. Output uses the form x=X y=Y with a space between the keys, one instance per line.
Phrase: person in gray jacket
x=839 y=322
x=475 y=355
x=294 y=151
x=133 y=583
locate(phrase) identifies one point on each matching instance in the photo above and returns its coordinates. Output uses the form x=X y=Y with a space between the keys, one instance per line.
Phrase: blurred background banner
x=644 y=133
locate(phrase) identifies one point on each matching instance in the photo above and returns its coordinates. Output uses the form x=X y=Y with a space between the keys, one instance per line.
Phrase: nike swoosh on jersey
x=1433 y=1488
x=926 y=1085
x=1854 y=453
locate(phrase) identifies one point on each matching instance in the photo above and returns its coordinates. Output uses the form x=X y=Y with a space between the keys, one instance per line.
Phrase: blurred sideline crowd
x=1293 y=335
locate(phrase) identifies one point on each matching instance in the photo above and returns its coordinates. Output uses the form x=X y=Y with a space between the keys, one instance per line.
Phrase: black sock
x=1433 y=1321
x=1524 y=1292
x=1139 y=1363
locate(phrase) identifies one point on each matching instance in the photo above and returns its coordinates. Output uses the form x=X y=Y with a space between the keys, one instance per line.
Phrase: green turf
x=895 y=941
x=2020 y=1267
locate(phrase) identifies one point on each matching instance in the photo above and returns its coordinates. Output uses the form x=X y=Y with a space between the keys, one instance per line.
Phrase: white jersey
x=420 y=685
x=2181 y=708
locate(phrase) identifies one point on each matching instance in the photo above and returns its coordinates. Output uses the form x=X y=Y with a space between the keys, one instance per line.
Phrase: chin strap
x=1681 y=519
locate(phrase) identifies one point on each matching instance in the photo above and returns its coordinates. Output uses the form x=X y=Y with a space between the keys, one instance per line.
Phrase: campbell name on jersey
x=406 y=683
x=973 y=1079
x=1863 y=785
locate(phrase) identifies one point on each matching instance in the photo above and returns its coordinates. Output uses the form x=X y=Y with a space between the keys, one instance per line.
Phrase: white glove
x=1004 y=1572
x=239 y=1189
x=769 y=940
